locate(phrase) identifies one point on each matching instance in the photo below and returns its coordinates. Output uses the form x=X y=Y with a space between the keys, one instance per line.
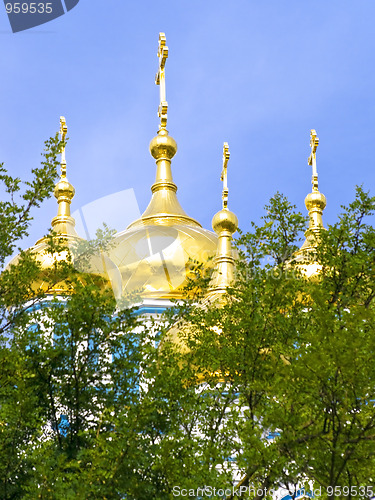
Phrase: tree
x=16 y=213
x=71 y=368
x=291 y=357
x=77 y=383
x=273 y=386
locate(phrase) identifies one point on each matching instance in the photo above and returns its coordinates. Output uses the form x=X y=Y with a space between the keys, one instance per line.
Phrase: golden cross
x=160 y=79
x=63 y=132
x=314 y=143
x=224 y=174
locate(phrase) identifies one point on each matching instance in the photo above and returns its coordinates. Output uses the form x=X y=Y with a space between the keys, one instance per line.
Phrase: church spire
x=315 y=201
x=63 y=223
x=225 y=224
x=164 y=207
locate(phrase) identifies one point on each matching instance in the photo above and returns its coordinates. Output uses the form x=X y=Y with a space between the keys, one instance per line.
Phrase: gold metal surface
x=63 y=132
x=156 y=260
x=164 y=207
x=224 y=174
x=64 y=227
x=315 y=203
x=155 y=252
x=314 y=143
x=63 y=223
x=160 y=80
x=225 y=224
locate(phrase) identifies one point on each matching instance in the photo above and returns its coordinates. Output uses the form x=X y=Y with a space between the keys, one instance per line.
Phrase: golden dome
x=65 y=236
x=225 y=224
x=156 y=259
x=155 y=253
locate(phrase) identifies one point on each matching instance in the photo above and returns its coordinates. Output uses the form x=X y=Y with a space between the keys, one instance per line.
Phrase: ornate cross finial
x=63 y=132
x=160 y=80
x=314 y=143
x=224 y=174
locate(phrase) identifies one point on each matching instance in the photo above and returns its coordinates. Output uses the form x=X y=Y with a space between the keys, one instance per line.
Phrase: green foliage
x=297 y=353
x=97 y=401
x=16 y=212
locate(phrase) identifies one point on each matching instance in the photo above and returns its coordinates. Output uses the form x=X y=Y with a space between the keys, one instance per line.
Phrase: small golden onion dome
x=64 y=191
x=225 y=224
x=63 y=223
x=105 y=272
x=315 y=203
x=99 y=265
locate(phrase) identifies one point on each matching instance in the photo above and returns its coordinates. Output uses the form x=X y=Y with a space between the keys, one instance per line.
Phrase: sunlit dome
x=155 y=254
x=63 y=226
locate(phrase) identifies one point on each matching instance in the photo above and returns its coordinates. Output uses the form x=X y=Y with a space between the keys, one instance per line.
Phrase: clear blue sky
x=258 y=74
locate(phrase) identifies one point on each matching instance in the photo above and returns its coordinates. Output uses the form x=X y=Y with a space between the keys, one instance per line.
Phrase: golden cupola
x=65 y=236
x=315 y=203
x=156 y=252
x=63 y=225
x=225 y=224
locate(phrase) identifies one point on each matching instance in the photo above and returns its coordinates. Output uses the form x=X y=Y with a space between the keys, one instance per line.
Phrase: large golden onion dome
x=156 y=252
x=64 y=235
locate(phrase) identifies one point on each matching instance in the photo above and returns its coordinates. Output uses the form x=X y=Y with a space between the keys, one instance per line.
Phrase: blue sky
x=257 y=74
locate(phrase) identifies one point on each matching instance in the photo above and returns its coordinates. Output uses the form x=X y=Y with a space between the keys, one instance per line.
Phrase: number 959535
x=29 y=8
